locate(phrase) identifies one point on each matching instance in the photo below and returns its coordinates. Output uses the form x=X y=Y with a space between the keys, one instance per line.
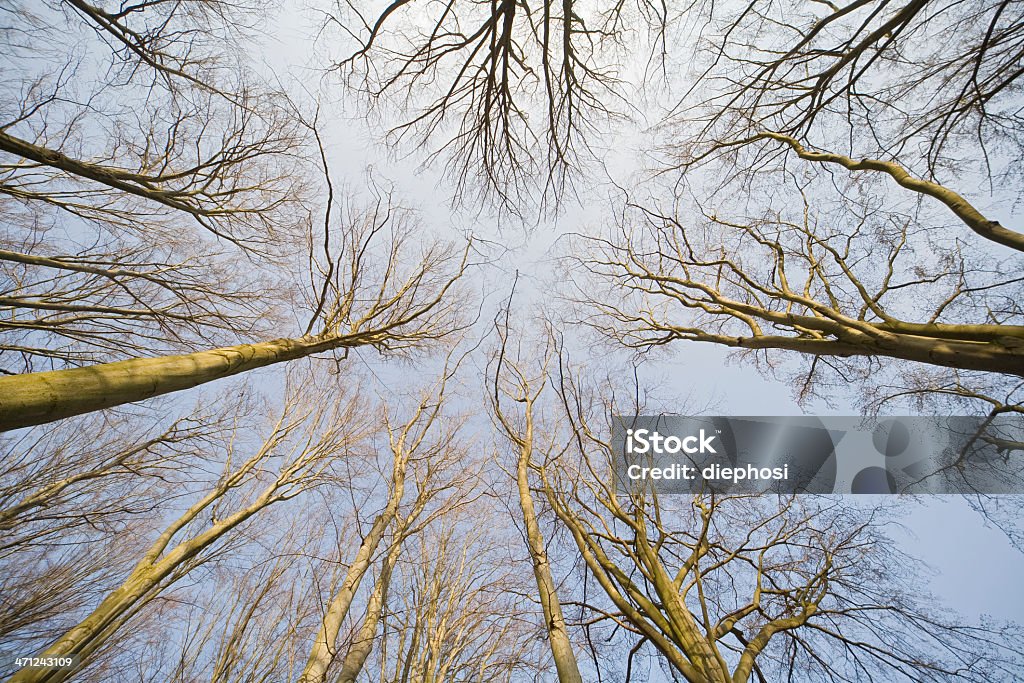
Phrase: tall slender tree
x=512 y=384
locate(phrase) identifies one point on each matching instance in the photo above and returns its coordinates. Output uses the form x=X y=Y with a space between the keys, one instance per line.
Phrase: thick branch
x=964 y=210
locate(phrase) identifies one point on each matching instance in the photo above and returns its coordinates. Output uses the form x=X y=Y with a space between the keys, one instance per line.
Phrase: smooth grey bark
x=324 y=648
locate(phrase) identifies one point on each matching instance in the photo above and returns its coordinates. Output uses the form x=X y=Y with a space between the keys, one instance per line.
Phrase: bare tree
x=77 y=498
x=261 y=626
x=733 y=587
x=122 y=187
x=146 y=181
x=202 y=141
x=457 y=615
x=812 y=200
x=828 y=282
x=513 y=90
x=429 y=488
x=240 y=618
x=426 y=450
x=366 y=636
x=170 y=220
x=67 y=467
x=91 y=305
x=933 y=83
x=304 y=440
x=512 y=384
x=105 y=263
x=244 y=618
x=391 y=307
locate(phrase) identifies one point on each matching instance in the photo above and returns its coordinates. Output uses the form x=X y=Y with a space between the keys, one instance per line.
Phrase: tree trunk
x=361 y=647
x=554 y=621
x=89 y=635
x=40 y=397
x=325 y=646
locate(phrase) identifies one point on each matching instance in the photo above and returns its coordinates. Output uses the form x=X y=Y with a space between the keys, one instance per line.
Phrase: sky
x=975 y=570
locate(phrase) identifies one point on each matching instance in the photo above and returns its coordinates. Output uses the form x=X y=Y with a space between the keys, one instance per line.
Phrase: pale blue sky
x=976 y=570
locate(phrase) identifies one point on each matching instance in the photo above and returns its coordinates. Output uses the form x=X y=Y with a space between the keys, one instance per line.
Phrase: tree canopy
x=315 y=319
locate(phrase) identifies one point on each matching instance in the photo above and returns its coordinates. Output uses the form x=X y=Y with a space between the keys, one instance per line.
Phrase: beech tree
x=825 y=281
x=255 y=631
x=301 y=446
x=833 y=195
x=93 y=305
x=77 y=496
x=512 y=383
x=148 y=180
x=366 y=636
x=457 y=612
x=790 y=151
x=406 y=306
x=735 y=588
x=825 y=194
x=425 y=450
x=929 y=86
x=506 y=93
x=87 y=279
x=264 y=599
x=161 y=120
